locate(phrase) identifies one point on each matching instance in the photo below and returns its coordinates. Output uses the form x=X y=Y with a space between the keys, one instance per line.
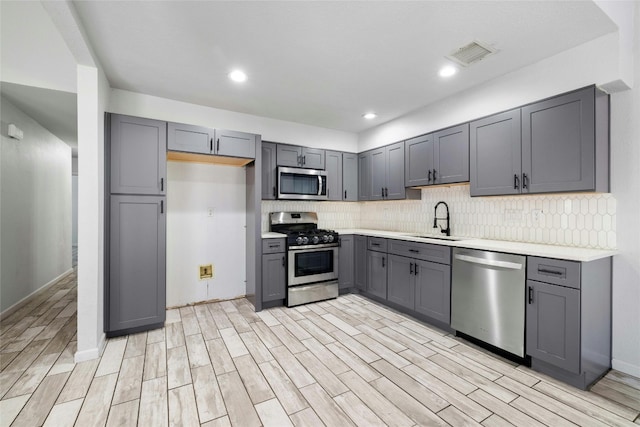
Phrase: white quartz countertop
x=272 y=235
x=546 y=251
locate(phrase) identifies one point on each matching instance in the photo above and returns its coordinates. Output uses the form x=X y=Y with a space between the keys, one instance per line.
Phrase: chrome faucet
x=447 y=230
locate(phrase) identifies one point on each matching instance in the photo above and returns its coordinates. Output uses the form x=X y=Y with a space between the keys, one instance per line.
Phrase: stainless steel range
x=312 y=254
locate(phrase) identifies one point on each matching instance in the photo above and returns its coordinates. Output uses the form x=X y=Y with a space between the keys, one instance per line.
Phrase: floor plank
x=64 y=414
x=124 y=414
x=326 y=408
x=284 y=389
x=129 y=380
x=239 y=407
x=154 y=403
x=183 y=411
x=95 y=408
x=208 y=395
x=272 y=415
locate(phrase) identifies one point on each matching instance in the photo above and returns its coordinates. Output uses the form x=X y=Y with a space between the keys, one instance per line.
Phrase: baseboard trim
x=17 y=306
x=91 y=353
x=626 y=368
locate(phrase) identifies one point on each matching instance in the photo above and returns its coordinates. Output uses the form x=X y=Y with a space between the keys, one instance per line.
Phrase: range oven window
x=313 y=263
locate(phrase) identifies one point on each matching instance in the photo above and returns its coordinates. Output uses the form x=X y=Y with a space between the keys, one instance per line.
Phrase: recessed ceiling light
x=238 y=76
x=370 y=116
x=447 y=71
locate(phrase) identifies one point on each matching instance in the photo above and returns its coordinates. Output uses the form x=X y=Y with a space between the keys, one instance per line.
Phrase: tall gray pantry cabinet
x=135 y=255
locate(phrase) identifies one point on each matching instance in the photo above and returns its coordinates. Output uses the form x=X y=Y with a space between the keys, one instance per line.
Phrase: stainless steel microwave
x=302 y=184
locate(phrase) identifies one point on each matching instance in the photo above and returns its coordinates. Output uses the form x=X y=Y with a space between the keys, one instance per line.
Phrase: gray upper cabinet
x=438 y=158
x=189 y=138
x=346 y=265
x=235 y=144
x=269 y=190
x=300 y=157
x=350 y=177
x=138 y=155
x=137 y=263
x=556 y=145
x=364 y=176
x=496 y=155
x=451 y=155
x=360 y=261
x=386 y=173
x=418 y=161
x=333 y=163
x=559 y=144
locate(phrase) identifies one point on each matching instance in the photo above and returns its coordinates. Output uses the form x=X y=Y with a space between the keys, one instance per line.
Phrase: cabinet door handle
x=211 y=145
x=386 y=192
x=525 y=181
x=434 y=176
x=304 y=160
x=274 y=192
x=382 y=262
x=218 y=145
x=161 y=206
x=161 y=184
x=555 y=273
x=530 y=295
x=410 y=268
x=345 y=194
x=283 y=261
x=415 y=268
x=429 y=179
x=382 y=192
x=516 y=181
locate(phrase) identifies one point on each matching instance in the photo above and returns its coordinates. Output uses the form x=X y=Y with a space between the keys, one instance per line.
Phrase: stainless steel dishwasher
x=488 y=297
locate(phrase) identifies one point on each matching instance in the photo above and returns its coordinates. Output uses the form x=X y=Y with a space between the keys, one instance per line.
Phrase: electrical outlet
x=210 y=212
x=206 y=271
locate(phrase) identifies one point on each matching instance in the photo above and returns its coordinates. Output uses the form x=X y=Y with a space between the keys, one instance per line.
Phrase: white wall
x=93 y=97
x=36 y=208
x=625 y=185
x=595 y=62
x=194 y=238
x=33 y=52
x=137 y=104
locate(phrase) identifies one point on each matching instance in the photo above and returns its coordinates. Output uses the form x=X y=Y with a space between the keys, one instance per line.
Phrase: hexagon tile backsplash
x=580 y=220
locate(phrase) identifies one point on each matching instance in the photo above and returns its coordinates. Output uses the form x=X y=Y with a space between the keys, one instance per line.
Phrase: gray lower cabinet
x=377 y=274
x=274 y=280
x=401 y=283
x=300 y=157
x=553 y=325
x=333 y=164
x=136 y=290
x=350 y=177
x=346 y=264
x=568 y=318
x=560 y=144
x=364 y=179
x=274 y=269
x=269 y=170
x=360 y=261
x=433 y=290
x=137 y=155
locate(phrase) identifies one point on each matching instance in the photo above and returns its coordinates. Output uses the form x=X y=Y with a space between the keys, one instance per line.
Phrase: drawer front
x=272 y=246
x=423 y=251
x=555 y=271
x=377 y=244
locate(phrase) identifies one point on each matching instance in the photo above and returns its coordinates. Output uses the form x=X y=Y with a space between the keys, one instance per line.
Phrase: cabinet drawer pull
x=530 y=295
x=274 y=246
x=375 y=244
x=555 y=273
x=415 y=251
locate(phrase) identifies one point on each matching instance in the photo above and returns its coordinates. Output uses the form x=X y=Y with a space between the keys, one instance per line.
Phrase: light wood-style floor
x=342 y=362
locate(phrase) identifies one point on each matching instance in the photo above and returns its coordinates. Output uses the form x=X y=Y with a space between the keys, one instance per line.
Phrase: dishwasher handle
x=489 y=262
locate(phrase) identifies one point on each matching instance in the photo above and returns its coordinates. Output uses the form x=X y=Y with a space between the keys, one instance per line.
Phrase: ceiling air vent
x=471 y=53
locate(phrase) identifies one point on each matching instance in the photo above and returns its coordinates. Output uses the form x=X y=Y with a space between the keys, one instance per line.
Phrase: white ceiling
x=54 y=110
x=324 y=63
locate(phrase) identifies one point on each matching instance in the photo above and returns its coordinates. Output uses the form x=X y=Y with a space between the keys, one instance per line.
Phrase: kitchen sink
x=450 y=238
